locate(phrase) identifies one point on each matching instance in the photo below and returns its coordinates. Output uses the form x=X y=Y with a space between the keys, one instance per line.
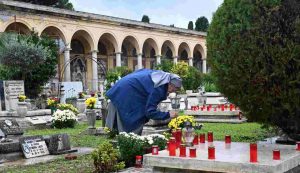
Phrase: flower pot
x=53 y=109
x=22 y=109
x=80 y=105
x=91 y=117
x=28 y=104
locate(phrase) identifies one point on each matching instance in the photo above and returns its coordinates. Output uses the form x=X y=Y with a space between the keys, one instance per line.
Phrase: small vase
x=22 y=109
x=81 y=105
x=91 y=117
x=53 y=109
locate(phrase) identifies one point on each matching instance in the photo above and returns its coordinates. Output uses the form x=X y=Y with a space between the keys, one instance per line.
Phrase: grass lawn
x=240 y=132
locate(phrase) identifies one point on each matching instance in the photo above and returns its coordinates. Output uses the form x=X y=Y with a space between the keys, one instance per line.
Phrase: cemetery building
x=90 y=44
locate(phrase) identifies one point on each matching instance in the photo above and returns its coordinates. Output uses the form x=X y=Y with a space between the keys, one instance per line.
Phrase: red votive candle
x=138 y=161
x=193 y=152
x=154 y=150
x=172 y=147
x=174 y=133
x=211 y=152
x=298 y=146
x=222 y=107
x=208 y=108
x=196 y=140
x=182 y=150
x=253 y=152
x=210 y=137
x=215 y=109
x=202 y=137
x=227 y=139
x=276 y=154
x=178 y=137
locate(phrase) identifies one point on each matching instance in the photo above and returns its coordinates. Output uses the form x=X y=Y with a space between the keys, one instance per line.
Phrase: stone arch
x=85 y=38
x=198 y=56
x=184 y=51
x=150 y=49
x=55 y=33
x=19 y=27
x=107 y=46
x=130 y=50
x=168 y=49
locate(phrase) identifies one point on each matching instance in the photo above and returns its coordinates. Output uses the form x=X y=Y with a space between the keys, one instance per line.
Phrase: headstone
x=12 y=89
x=71 y=89
x=60 y=144
x=33 y=146
x=10 y=127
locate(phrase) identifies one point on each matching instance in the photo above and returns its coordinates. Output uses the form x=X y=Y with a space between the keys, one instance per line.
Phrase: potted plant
x=52 y=103
x=22 y=106
x=90 y=112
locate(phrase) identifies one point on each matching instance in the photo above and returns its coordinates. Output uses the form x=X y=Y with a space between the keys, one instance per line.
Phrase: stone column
x=190 y=61
x=140 y=61
x=175 y=59
x=95 y=70
x=67 y=67
x=118 y=59
x=158 y=59
x=204 y=66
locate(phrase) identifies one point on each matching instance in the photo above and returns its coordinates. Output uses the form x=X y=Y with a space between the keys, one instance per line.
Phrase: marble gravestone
x=10 y=127
x=12 y=89
x=60 y=144
x=33 y=146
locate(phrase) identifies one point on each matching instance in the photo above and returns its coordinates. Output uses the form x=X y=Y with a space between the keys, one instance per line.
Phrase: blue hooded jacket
x=136 y=99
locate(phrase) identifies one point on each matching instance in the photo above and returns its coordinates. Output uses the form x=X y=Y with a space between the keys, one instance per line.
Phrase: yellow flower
x=180 y=120
x=22 y=98
x=90 y=102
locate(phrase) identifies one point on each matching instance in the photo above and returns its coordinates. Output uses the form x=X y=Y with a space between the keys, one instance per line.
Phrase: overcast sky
x=166 y=12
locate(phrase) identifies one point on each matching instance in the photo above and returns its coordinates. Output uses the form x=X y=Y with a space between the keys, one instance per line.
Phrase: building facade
x=90 y=44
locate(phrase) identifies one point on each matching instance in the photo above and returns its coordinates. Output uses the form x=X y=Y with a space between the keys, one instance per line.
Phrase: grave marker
x=10 y=127
x=12 y=89
x=60 y=144
x=33 y=146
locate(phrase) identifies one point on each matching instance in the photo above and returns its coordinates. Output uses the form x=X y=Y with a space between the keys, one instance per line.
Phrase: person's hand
x=173 y=114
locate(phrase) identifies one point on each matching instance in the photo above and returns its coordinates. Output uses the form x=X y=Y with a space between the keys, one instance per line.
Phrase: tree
x=201 y=24
x=191 y=25
x=28 y=58
x=64 y=4
x=253 y=48
x=145 y=19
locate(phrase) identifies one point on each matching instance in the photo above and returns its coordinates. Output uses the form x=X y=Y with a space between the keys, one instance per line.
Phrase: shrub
x=63 y=119
x=165 y=65
x=131 y=145
x=254 y=50
x=106 y=159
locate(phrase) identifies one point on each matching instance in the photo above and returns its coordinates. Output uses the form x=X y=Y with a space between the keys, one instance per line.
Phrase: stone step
x=233 y=121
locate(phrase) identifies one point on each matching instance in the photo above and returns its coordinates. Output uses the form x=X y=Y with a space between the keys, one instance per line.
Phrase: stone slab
x=232 y=121
x=43 y=159
x=12 y=89
x=33 y=146
x=10 y=147
x=199 y=112
x=10 y=127
x=59 y=143
x=36 y=121
x=232 y=158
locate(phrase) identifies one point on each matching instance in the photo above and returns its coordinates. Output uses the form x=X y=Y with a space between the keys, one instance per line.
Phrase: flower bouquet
x=63 y=119
x=52 y=103
x=21 y=98
x=90 y=103
x=179 y=121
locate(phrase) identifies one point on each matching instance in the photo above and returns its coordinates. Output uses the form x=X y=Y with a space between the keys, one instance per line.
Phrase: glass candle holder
x=298 y=146
x=193 y=152
x=196 y=140
x=202 y=137
x=276 y=154
x=182 y=150
x=172 y=147
x=138 y=161
x=210 y=137
x=178 y=137
x=227 y=139
x=211 y=152
x=154 y=150
x=253 y=152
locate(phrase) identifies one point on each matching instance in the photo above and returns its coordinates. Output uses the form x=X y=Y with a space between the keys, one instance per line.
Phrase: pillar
x=158 y=59
x=118 y=59
x=190 y=61
x=204 y=66
x=67 y=67
x=140 y=61
x=175 y=59
x=95 y=70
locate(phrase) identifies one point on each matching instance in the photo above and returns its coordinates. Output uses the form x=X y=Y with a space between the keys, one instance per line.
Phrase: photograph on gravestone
x=33 y=146
x=60 y=144
x=12 y=89
x=10 y=127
